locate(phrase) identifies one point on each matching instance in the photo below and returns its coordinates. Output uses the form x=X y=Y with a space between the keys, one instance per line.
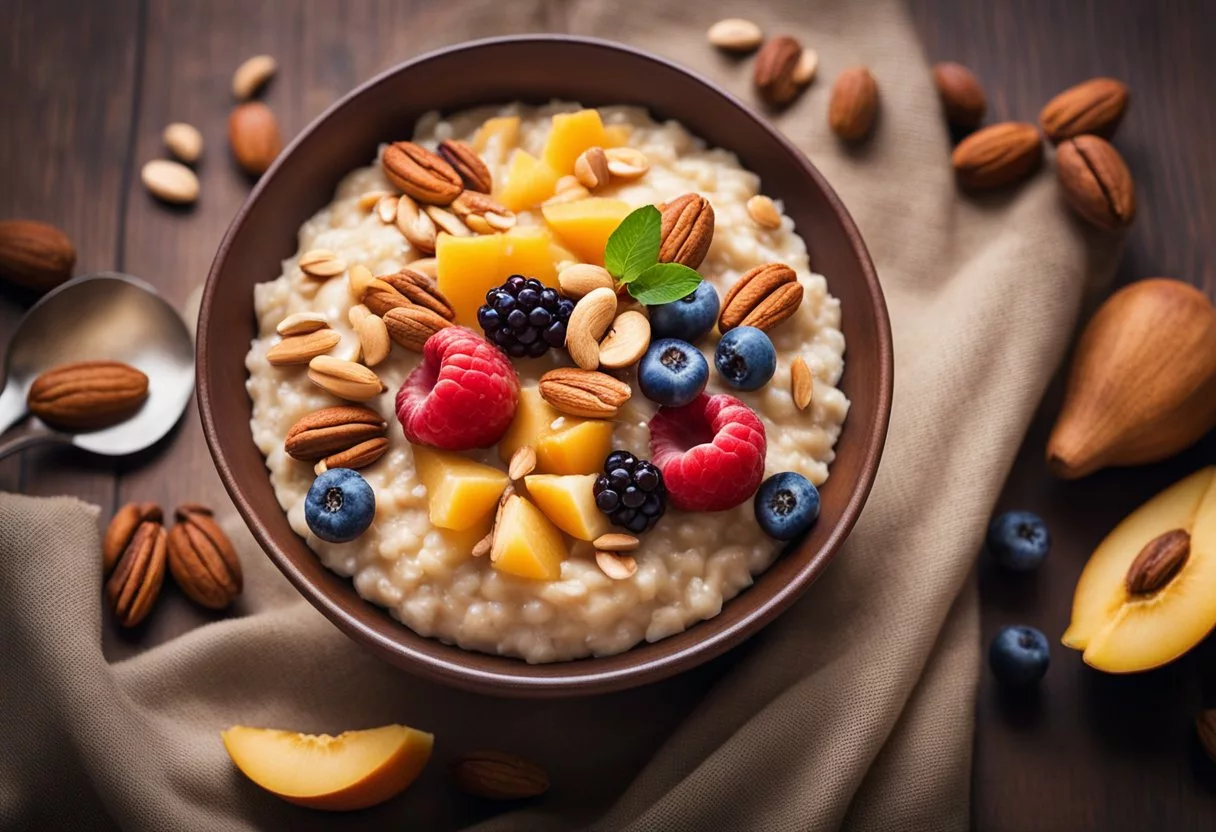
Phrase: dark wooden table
x=85 y=89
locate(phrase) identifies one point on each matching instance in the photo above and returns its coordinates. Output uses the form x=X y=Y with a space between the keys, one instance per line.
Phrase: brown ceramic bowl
x=534 y=69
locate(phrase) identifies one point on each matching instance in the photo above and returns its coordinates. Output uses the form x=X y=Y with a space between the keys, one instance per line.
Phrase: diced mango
x=461 y=493
x=570 y=135
x=503 y=128
x=533 y=415
x=529 y=251
x=569 y=502
x=529 y=182
x=468 y=267
x=617 y=135
x=464 y=540
x=576 y=446
x=585 y=225
x=526 y=543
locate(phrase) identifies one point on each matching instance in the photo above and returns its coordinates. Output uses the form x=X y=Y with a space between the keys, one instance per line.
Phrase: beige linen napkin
x=852 y=711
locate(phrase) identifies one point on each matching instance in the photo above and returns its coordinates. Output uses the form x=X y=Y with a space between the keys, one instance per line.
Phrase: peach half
x=1148 y=593
x=353 y=770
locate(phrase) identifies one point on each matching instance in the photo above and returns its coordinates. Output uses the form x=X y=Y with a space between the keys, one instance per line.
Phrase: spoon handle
x=12 y=407
x=29 y=437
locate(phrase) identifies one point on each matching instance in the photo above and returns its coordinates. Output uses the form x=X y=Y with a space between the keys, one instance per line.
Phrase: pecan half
x=122 y=528
x=467 y=164
x=202 y=560
x=329 y=430
x=135 y=584
x=421 y=290
x=587 y=393
x=358 y=456
x=410 y=326
x=1096 y=181
x=688 y=229
x=87 y=395
x=380 y=297
x=420 y=173
x=763 y=297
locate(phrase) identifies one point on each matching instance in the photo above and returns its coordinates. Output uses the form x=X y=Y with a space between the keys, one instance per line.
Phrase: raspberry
x=461 y=396
x=630 y=492
x=524 y=318
x=711 y=452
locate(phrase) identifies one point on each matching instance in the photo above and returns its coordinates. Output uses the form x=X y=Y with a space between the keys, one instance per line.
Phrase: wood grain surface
x=87 y=88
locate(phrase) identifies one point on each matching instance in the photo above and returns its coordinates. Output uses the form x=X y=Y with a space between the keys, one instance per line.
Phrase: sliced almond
x=252 y=75
x=445 y=220
x=321 y=263
x=802 y=383
x=386 y=208
x=373 y=339
x=417 y=226
x=615 y=565
x=523 y=462
x=344 y=379
x=301 y=323
x=627 y=162
x=591 y=317
x=763 y=212
x=300 y=349
x=483 y=546
x=626 y=341
x=359 y=278
x=581 y=279
x=616 y=542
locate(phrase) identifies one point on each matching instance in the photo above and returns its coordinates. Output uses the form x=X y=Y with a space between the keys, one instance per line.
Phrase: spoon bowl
x=102 y=316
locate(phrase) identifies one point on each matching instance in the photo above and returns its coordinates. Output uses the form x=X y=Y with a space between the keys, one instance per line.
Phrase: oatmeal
x=690 y=562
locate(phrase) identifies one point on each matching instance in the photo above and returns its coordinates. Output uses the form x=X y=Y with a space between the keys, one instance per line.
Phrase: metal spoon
x=101 y=316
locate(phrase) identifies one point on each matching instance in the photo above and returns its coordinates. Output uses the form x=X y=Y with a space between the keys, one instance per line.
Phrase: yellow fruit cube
x=575 y=446
x=464 y=540
x=503 y=128
x=467 y=268
x=570 y=135
x=533 y=415
x=585 y=225
x=617 y=135
x=569 y=502
x=461 y=492
x=529 y=182
x=526 y=543
x=529 y=251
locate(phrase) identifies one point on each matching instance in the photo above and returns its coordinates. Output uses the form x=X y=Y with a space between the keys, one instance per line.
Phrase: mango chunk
x=502 y=129
x=526 y=543
x=468 y=267
x=570 y=135
x=533 y=415
x=461 y=493
x=569 y=502
x=1124 y=633
x=575 y=446
x=585 y=225
x=529 y=182
x=529 y=251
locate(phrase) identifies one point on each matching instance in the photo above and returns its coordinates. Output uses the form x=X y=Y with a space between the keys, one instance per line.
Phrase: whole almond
x=135 y=583
x=386 y=208
x=591 y=168
x=35 y=255
x=763 y=212
x=253 y=133
x=734 y=34
x=358 y=456
x=420 y=173
x=616 y=542
x=776 y=65
x=763 y=297
x=1096 y=182
x=420 y=290
x=482 y=214
x=687 y=230
x=411 y=326
x=626 y=341
x=1158 y=562
x=592 y=316
x=122 y=529
x=415 y=224
x=582 y=278
x=87 y=395
x=344 y=379
x=854 y=104
x=374 y=342
x=1095 y=106
x=467 y=164
x=961 y=93
x=321 y=263
x=169 y=181
x=802 y=383
x=301 y=323
x=300 y=349
x=331 y=430
x=998 y=155
x=252 y=75
x=626 y=162
x=380 y=297
x=586 y=393
x=183 y=141
x=498 y=776
x=202 y=560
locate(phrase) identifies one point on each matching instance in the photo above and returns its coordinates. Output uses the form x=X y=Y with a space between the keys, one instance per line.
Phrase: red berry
x=461 y=396
x=711 y=452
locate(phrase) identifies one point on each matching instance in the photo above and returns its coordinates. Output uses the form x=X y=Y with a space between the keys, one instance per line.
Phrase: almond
x=581 y=279
x=331 y=430
x=763 y=297
x=344 y=379
x=998 y=155
x=183 y=141
x=386 y=208
x=854 y=104
x=446 y=221
x=763 y=212
x=415 y=224
x=360 y=279
x=626 y=162
x=35 y=255
x=774 y=71
x=1095 y=106
x=467 y=164
x=499 y=776
x=252 y=75
x=420 y=173
x=1158 y=562
x=616 y=565
x=687 y=230
x=170 y=182
x=523 y=462
x=357 y=456
x=321 y=263
x=371 y=199
x=300 y=349
x=961 y=93
x=802 y=383
x=592 y=316
x=586 y=393
x=253 y=133
x=1096 y=182
x=202 y=560
x=411 y=326
x=420 y=290
x=734 y=34
x=591 y=168
x=301 y=323
x=626 y=341
x=380 y=297
x=87 y=395
x=374 y=342
x=482 y=214
x=616 y=542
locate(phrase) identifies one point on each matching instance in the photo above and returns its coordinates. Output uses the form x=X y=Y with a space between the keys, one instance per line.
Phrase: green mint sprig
x=632 y=257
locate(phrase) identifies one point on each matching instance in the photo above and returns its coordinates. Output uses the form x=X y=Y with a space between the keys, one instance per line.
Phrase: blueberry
x=786 y=505
x=1018 y=540
x=688 y=318
x=746 y=358
x=672 y=372
x=1019 y=655
x=340 y=505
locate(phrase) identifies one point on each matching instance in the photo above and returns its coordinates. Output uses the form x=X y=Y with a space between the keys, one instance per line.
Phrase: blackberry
x=524 y=318
x=630 y=492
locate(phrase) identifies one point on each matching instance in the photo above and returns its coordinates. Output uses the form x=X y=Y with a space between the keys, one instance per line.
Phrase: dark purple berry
x=525 y=318
x=630 y=492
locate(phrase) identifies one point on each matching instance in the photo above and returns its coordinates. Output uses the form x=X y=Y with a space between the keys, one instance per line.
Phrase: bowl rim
x=584 y=678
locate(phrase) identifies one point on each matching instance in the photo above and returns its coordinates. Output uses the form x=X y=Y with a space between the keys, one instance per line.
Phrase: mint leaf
x=663 y=283
x=634 y=246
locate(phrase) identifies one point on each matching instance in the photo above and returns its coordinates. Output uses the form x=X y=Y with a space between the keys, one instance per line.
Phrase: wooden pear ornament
x=1142 y=386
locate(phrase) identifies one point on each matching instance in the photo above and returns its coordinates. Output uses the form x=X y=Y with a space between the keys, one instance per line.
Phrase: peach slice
x=1121 y=632
x=461 y=493
x=526 y=543
x=584 y=226
x=353 y=770
x=570 y=135
x=569 y=502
